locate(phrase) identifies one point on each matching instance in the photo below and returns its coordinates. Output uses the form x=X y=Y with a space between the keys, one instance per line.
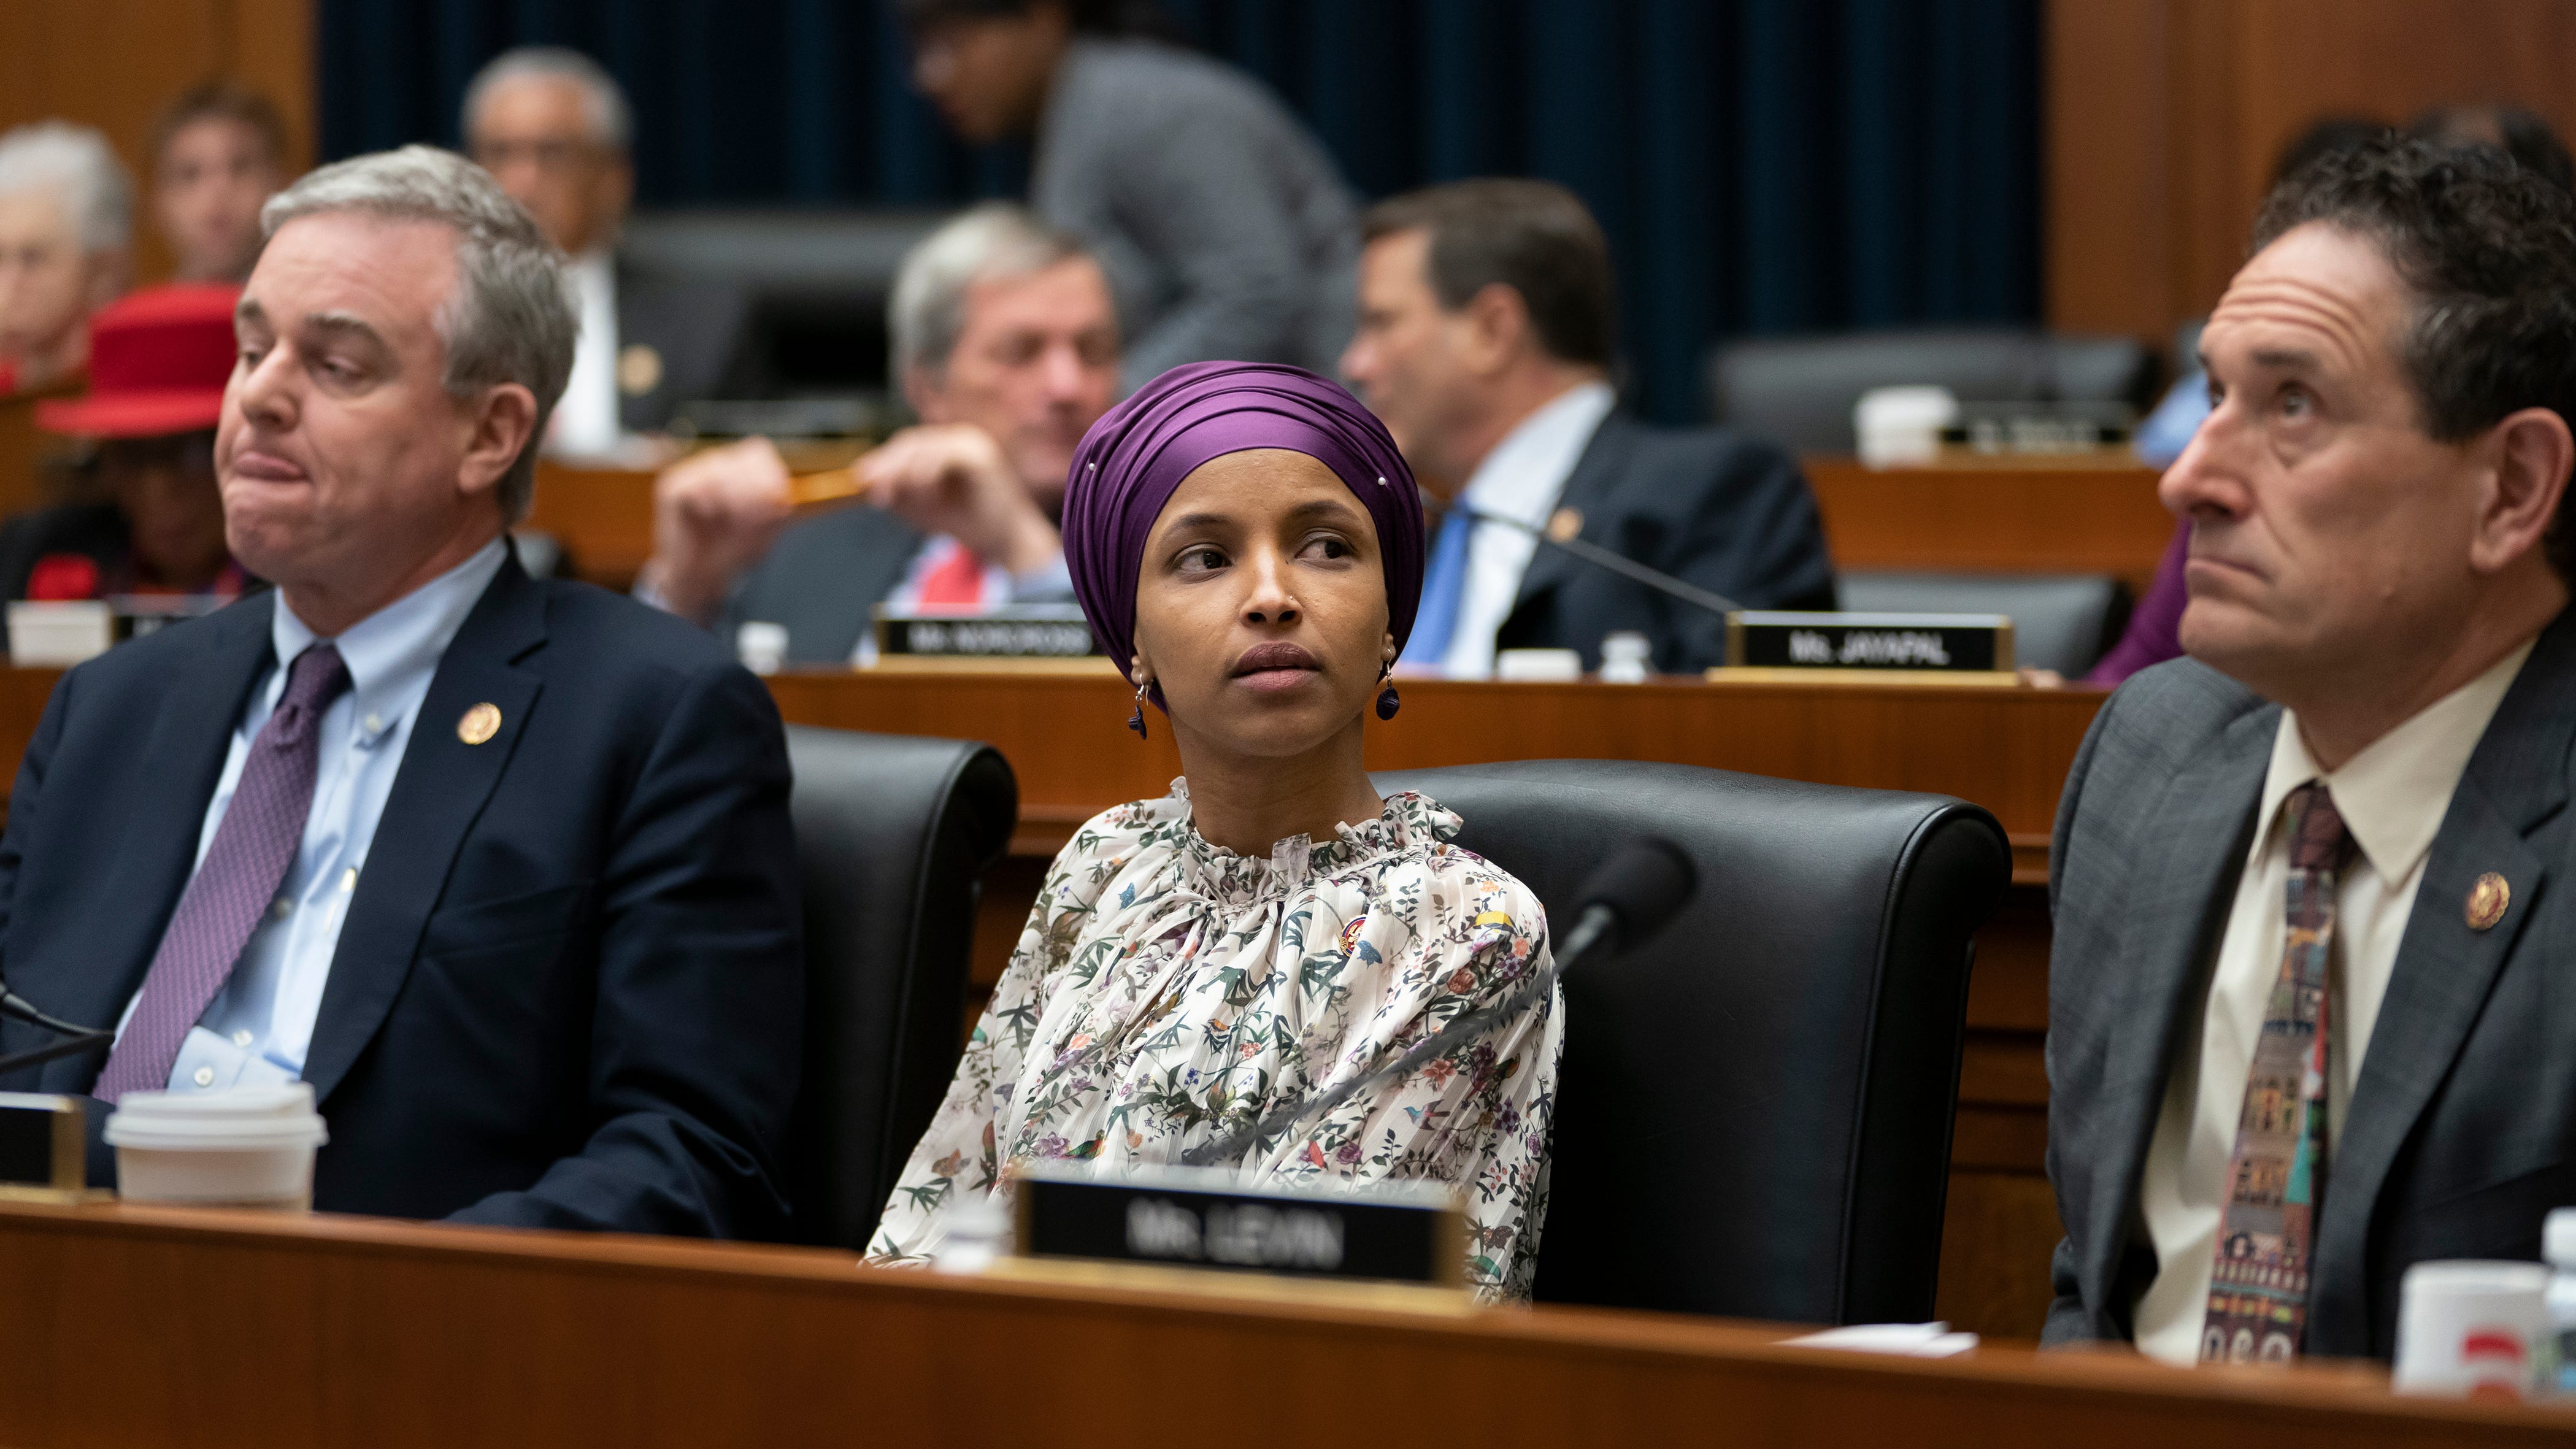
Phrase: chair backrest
x=1753 y=1115
x=2064 y=622
x=1799 y=391
x=893 y=835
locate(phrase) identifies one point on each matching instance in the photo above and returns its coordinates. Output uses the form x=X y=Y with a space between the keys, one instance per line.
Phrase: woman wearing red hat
x=159 y=359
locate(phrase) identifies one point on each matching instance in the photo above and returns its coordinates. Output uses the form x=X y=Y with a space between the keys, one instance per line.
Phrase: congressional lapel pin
x=480 y=723
x=2487 y=901
x=639 y=370
x=1564 y=524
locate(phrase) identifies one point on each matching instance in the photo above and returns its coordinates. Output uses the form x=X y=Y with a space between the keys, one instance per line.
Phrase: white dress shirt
x=258 y=1027
x=585 y=423
x=2392 y=797
x=1521 y=479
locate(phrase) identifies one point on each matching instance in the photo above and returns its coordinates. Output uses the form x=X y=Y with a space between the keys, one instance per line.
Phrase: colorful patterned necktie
x=2276 y=1178
x=232 y=890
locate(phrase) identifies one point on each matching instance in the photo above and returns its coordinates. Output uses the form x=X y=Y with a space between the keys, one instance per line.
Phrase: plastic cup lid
x=2475 y=1275
x=289 y=1099
x=2558 y=1237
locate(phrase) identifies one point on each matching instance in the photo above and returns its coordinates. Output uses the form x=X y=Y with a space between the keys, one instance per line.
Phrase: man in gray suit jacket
x=1007 y=348
x=2312 y=1010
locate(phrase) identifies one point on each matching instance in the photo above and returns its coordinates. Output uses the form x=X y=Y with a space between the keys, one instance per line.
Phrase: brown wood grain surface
x=2021 y=519
x=135 y=1326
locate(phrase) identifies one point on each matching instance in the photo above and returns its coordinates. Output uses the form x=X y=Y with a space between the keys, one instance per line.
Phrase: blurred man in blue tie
x=1486 y=344
x=501 y=868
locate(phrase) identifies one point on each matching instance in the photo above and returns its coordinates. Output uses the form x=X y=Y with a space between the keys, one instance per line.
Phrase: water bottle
x=2558 y=1245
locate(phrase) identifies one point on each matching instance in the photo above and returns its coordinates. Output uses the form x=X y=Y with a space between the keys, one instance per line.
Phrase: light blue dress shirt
x=260 y=1024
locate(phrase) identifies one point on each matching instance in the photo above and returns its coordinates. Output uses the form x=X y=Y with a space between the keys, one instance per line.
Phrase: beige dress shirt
x=2392 y=796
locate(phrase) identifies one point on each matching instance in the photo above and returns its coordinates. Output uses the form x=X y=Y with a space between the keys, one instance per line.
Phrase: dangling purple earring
x=1136 y=721
x=1388 y=701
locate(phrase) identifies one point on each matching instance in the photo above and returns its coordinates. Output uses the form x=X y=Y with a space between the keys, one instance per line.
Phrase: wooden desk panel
x=128 y=1326
x=2024 y=519
x=603 y=517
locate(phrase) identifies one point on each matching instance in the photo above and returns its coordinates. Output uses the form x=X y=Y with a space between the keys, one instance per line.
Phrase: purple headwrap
x=1139 y=451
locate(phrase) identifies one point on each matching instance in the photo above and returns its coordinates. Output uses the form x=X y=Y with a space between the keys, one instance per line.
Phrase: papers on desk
x=1909 y=1340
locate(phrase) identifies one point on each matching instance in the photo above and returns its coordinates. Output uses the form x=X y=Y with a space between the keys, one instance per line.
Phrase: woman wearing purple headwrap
x=1247 y=544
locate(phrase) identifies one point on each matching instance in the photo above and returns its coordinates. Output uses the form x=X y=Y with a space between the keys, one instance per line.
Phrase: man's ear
x=502 y=425
x=2532 y=454
x=923 y=394
x=1497 y=327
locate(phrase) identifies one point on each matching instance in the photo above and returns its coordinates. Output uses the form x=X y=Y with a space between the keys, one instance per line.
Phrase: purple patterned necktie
x=234 y=886
x=2276 y=1177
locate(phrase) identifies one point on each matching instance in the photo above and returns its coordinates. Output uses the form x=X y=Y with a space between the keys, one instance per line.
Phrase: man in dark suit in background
x=501 y=868
x=2312 y=1008
x=555 y=130
x=1485 y=343
x=1006 y=345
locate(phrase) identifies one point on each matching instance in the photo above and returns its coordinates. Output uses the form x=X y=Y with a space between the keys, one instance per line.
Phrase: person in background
x=2308 y=992
x=1486 y=343
x=2152 y=633
x=554 y=129
x=1247 y=545
x=159 y=359
x=500 y=868
x=66 y=222
x=1006 y=344
x=218 y=153
x=1225 y=230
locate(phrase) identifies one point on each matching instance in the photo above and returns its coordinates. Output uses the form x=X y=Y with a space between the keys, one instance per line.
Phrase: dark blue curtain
x=1760 y=165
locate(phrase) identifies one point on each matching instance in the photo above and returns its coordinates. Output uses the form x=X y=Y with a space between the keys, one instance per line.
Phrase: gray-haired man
x=66 y=218
x=1006 y=342
x=501 y=868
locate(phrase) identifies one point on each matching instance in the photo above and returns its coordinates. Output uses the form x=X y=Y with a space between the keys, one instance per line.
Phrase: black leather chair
x=893 y=835
x=1753 y=1116
x=2064 y=622
x=1799 y=391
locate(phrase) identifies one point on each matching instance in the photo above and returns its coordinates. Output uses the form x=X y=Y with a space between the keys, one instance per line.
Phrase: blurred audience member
x=1223 y=227
x=66 y=219
x=159 y=360
x=218 y=152
x=1006 y=345
x=554 y=129
x=1485 y=342
x=2510 y=129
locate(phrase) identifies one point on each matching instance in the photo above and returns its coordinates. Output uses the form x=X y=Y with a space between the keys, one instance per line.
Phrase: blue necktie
x=1443 y=584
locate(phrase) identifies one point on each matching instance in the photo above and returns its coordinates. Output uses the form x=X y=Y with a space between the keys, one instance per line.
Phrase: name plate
x=1909 y=643
x=1178 y=1217
x=42 y=1150
x=1022 y=631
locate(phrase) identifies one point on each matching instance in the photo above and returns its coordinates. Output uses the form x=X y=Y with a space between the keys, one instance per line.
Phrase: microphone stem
x=1628 y=568
x=1589 y=928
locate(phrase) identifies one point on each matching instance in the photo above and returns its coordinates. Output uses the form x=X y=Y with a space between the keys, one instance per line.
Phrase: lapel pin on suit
x=1564 y=524
x=2487 y=901
x=639 y=370
x=480 y=723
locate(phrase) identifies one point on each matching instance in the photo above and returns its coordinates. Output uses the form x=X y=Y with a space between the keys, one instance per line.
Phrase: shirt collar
x=398 y=645
x=1525 y=473
x=2393 y=795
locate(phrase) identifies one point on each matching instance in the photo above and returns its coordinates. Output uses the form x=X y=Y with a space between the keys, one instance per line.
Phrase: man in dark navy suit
x=1486 y=343
x=502 y=868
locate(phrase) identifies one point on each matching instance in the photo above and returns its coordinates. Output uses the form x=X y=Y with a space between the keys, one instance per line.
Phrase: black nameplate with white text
x=1023 y=631
x=1396 y=1233
x=1946 y=643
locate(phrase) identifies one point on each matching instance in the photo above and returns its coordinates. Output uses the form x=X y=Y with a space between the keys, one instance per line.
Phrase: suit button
x=205 y=1077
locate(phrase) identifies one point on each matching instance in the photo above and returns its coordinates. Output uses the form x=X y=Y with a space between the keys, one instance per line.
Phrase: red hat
x=158 y=362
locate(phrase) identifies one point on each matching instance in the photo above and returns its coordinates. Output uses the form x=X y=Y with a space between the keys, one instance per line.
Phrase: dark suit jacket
x=697 y=329
x=823 y=579
x=1716 y=508
x=568 y=992
x=2461 y=1133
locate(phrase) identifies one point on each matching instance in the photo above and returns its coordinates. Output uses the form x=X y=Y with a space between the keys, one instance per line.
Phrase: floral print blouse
x=1167 y=992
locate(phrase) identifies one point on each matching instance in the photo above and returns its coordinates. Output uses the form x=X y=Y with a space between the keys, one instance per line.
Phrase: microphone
x=1628 y=898
x=76 y=1039
x=1617 y=563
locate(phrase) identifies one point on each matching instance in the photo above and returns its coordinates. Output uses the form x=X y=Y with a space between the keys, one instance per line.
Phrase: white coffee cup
x=245 y=1146
x=1898 y=427
x=2471 y=1328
